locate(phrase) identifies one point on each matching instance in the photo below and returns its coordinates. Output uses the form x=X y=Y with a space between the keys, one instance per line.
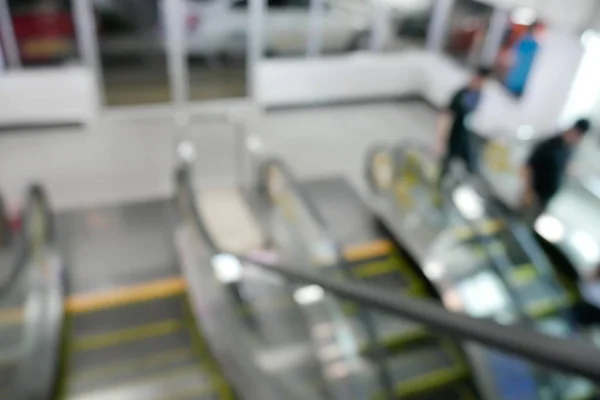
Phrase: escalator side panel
x=345 y=214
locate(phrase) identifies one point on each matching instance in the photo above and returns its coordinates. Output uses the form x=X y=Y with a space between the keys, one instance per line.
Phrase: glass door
x=216 y=37
x=132 y=54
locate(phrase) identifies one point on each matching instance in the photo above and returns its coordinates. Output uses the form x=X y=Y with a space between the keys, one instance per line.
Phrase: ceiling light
x=468 y=202
x=227 y=268
x=550 y=228
x=186 y=151
x=309 y=294
x=586 y=246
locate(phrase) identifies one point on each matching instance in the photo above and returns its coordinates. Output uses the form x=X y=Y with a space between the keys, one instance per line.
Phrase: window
x=240 y=4
x=289 y=3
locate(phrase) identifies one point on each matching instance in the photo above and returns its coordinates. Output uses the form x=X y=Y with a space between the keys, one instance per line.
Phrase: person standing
x=455 y=139
x=546 y=167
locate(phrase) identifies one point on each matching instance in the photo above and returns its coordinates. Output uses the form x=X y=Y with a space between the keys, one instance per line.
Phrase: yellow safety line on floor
x=364 y=251
x=88 y=302
x=219 y=385
x=401 y=340
x=194 y=393
x=98 y=341
x=372 y=269
x=161 y=376
x=486 y=227
x=431 y=380
x=132 y=365
x=11 y=316
x=545 y=307
x=523 y=274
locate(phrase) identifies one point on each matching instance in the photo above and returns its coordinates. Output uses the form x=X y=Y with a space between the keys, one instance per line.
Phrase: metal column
x=256 y=45
x=87 y=42
x=9 y=41
x=380 y=25
x=494 y=37
x=315 y=28
x=173 y=12
x=438 y=26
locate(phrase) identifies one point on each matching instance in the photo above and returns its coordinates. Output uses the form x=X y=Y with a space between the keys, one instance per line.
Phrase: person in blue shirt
x=547 y=165
x=455 y=138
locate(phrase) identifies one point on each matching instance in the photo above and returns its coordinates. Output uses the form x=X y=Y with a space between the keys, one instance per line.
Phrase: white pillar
x=315 y=28
x=9 y=42
x=438 y=25
x=380 y=25
x=495 y=34
x=256 y=43
x=174 y=12
x=87 y=42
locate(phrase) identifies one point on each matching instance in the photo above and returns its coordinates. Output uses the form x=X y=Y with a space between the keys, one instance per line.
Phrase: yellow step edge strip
x=523 y=274
x=131 y=365
x=430 y=381
x=193 y=393
x=162 y=376
x=102 y=340
x=374 y=269
x=486 y=227
x=88 y=302
x=364 y=251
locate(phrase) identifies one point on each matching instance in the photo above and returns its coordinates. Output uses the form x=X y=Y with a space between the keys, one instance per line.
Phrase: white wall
x=48 y=96
x=297 y=82
x=283 y=82
x=566 y=14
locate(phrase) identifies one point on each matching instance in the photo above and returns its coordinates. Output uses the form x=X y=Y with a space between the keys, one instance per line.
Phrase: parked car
x=220 y=27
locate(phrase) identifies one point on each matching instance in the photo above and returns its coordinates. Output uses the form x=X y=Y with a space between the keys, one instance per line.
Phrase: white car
x=220 y=27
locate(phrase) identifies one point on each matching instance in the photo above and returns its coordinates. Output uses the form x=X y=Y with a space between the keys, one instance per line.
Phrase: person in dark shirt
x=455 y=139
x=547 y=165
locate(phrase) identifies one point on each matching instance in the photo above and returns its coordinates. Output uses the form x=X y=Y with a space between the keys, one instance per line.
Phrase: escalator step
x=99 y=351
x=11 y=331
x=7 y=375
x=427 y=368
x=186 y=380
x=127 y=316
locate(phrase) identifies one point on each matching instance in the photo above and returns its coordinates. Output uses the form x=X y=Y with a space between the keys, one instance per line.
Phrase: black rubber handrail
x=24 y=241
x=295 y=186
x=556 y=354
x=364 y=317
x=35 y=375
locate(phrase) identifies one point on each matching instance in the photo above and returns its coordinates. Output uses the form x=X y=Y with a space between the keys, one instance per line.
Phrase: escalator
x=361 y=352
x=138 y=342
x=463 y=233
x=405 y=359
x=128 y=328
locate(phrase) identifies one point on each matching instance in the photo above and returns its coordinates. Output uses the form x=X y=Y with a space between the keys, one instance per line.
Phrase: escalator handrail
x=36 y=372
x=23 y=245
x=314 y=213
x=306 y=201
x=557 y=354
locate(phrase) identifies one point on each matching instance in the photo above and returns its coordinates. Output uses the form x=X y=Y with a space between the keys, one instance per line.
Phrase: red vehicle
x=44 y=34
